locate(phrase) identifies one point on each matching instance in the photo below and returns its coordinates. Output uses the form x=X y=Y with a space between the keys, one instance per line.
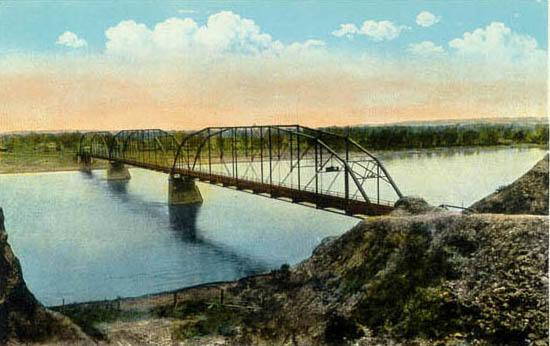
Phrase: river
x=80 y=237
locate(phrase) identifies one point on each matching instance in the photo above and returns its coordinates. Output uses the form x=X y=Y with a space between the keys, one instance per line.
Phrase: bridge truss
x=292 y=162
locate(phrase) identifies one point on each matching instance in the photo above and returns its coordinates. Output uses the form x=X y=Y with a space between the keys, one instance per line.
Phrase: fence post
x=221 y=296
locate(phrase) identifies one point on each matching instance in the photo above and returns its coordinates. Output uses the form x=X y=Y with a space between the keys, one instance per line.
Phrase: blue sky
x=33 y=26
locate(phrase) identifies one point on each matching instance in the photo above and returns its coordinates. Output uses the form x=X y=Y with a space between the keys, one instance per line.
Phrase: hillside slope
x=22 y=317
x=527 y=195
x=439 y=277
x=431 y=276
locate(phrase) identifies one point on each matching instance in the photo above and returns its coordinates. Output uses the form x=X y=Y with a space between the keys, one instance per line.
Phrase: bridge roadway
x=151 y=151
x=321 y=201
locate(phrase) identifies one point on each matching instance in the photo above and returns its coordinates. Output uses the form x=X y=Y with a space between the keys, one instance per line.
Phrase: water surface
x=80 y=237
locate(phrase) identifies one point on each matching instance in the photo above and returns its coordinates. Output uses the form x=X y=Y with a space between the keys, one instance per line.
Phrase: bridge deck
x=296 y=195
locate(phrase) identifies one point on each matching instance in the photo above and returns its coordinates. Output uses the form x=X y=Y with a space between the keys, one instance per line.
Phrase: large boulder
x=22 y=317
x=411 y=205
x=527 y=195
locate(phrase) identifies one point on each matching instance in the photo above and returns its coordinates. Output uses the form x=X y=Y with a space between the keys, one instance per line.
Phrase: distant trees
x=430 y=136
x=33 y=141
x=371 y=137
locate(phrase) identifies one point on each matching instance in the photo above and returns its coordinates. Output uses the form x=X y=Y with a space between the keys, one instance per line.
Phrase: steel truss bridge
x=292 y=162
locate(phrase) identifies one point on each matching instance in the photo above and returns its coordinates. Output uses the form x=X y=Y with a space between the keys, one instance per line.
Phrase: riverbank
x=13 y=163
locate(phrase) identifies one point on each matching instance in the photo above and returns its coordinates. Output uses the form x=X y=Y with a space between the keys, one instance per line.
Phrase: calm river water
x=80 y=237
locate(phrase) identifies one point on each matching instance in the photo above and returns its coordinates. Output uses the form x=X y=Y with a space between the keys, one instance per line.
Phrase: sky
x=84 y=65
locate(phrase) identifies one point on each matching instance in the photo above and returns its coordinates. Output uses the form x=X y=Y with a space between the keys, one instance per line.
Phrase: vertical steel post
x=378 y=182
x=279 y=144
x=346 y=177
x=298 y=157
x=270 y=159
x=187 y=149
x=320 y=163
x=291 y=149
x=235 y=164
x=262 y=153
x=209 y=156
x=245 y=142
x=316 y=171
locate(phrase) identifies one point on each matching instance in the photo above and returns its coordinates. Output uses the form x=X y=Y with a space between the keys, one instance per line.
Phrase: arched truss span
x=287 y=161
x=95 y=144
x=291 y=161
x=150 y=146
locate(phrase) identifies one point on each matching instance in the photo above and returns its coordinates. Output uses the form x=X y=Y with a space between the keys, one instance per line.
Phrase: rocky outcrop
x=409 y=205
x=434 y=276
x=22 y=317
x=446 y=278
x=527 y=195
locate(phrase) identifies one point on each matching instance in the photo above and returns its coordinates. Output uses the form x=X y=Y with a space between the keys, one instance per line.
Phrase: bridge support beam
x=117 y=171
x=183 y=190
x=85 y=162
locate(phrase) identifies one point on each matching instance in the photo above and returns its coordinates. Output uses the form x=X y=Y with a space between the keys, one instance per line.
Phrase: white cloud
x=347 y=30
x=174 y=34
x=129 y=37
x=70 y=39
x=377 y=31
x=227 y=31
x=497 y=43
x=224 y=33
x=427 y=19
x=382 y=30
x=425 y=49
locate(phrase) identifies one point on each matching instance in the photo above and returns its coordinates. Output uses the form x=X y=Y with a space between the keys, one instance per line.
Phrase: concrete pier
x=117 y=171
x=183 y=190
x=85 y=162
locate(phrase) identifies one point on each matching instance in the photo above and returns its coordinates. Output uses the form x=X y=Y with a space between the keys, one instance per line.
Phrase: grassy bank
x=31 y=162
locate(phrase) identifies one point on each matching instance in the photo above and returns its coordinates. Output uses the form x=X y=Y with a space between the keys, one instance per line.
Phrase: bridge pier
x=117 y=171
x=183 y=190
x=85 y=161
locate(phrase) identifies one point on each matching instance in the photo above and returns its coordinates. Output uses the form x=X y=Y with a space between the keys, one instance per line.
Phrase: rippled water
x=80 y=237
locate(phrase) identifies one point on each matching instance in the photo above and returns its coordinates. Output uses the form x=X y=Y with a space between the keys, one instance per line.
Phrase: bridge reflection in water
x=183 y=222
x=291 y=162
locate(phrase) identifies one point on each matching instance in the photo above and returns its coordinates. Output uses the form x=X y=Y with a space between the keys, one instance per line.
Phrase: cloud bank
x=224 y=33
x=178 y=74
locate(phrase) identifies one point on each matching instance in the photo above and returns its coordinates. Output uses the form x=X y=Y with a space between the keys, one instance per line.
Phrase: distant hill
x=500 y=120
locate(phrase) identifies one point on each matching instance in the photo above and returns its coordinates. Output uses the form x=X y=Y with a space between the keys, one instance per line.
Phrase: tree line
x=431 y=136
x=371 y=137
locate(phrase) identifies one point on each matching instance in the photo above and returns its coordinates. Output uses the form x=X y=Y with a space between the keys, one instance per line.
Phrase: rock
x=527 y=195
x=413 y=206
x=22 y=317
